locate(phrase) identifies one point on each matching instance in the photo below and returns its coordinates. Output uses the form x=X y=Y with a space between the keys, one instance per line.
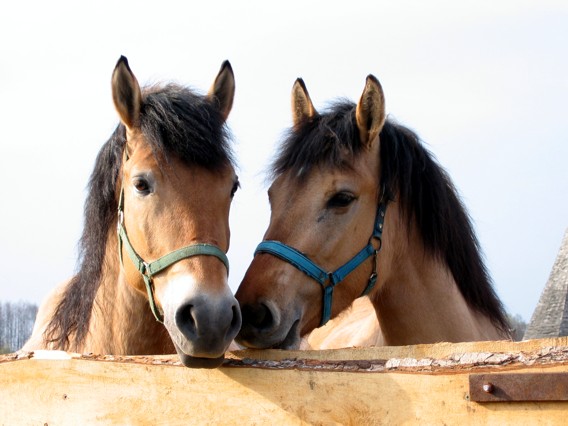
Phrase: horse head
x=175 y=190
x=323 y=215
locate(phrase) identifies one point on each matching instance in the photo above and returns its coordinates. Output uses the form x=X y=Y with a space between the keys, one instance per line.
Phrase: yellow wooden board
x=424 y=384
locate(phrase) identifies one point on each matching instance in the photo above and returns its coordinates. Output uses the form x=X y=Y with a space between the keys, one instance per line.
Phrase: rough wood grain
x=425 y=384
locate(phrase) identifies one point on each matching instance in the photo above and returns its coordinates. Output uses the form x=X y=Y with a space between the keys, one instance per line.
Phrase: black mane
x=176 y=122
x=410 y=173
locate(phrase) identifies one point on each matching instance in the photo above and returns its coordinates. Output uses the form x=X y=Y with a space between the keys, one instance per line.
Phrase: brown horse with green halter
x=153 y=269
x=361 y=208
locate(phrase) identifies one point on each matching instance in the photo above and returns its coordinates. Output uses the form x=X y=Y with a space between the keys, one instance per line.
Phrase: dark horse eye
x=142 y=186
x=236 y=186
x=341 y=199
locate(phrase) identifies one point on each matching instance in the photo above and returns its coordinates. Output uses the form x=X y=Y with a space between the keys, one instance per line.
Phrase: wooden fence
x=522 y=383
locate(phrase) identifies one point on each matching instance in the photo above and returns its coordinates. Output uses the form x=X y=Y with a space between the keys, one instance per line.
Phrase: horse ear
x=126 y=94
x=370 y=113
x=222 y=91
x=302 y=106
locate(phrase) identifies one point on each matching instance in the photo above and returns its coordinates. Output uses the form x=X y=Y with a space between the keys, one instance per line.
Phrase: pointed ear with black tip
x=370 y=112
x=302 y=106
x=222 y=91
x=126 y=94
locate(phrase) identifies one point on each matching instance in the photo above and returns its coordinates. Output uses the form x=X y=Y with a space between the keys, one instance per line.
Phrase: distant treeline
x=16 y=324
x=518 y=326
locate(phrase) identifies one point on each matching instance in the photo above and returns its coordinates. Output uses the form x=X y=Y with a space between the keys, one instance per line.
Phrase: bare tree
x=16 y=324
x=518 y=326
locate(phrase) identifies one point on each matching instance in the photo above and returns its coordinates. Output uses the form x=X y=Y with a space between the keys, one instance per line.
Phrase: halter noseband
x=301 y=262
x=148 y=270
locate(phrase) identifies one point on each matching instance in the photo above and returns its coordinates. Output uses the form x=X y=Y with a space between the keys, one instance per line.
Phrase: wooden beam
x=293 y=389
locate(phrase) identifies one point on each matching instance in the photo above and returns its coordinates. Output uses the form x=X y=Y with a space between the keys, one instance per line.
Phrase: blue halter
x=308 y=267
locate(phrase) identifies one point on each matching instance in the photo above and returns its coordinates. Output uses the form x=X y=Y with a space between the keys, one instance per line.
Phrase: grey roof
x=550 y=317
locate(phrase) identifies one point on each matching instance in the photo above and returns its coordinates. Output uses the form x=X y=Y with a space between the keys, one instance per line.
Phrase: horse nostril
x=258 y=316
x=236 y=321
x=184 y=318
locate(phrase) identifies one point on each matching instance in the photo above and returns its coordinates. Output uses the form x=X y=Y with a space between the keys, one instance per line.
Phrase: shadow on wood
x=423 y=384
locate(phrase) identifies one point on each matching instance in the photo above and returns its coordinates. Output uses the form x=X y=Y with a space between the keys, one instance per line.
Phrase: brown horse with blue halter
x=153 y=270
x=333 y=178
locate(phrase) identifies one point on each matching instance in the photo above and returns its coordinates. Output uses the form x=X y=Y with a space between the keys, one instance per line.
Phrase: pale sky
x=484 y=83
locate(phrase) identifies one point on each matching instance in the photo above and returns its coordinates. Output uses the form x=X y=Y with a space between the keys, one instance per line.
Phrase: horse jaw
x=197 y=362
x=292 y=340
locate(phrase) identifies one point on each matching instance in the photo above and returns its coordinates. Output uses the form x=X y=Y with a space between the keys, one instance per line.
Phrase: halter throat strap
x=148 y=270
x=328 y=280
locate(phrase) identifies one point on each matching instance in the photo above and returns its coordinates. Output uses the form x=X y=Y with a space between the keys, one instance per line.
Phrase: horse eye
x=341 y=199
x=236 y=186
x=142 y=186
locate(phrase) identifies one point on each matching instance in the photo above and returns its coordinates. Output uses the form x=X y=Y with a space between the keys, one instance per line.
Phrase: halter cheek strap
x=148 y=270
x=320 y=275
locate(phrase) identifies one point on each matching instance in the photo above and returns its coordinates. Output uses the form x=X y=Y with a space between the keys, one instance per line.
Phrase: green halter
x=148 y=270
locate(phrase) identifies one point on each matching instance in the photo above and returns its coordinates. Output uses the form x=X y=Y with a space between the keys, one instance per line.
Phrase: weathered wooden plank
x=437 y=351
x=405 y=390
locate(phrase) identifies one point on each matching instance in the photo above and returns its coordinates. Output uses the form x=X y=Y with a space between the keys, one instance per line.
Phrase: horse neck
x=419 y=301
x=121 y=321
